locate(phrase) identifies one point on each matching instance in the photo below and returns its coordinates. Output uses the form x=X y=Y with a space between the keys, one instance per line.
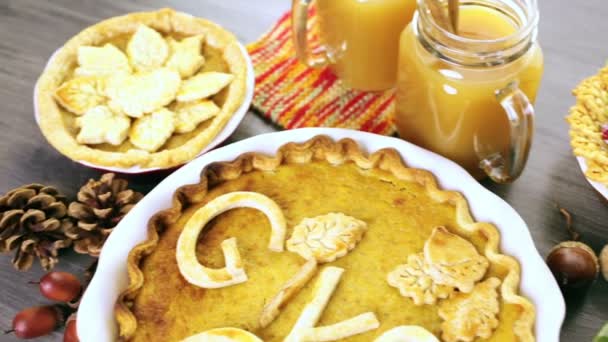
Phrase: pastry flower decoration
x=453 y=261
x=413 y=282
x=153 y=75
x=233 y=273
x=468 y=316
x=327 y=237
x=407 y=333
x=223 y=335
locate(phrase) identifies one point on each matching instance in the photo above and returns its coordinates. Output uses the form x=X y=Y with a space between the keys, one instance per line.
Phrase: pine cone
x=99 y=207
x=33 y=221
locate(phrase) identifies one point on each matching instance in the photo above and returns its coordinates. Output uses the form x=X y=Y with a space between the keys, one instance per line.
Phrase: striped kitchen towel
x=293 y=95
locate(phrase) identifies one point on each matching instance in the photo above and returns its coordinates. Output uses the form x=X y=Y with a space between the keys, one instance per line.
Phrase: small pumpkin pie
x=321 y=242
x=149 y=89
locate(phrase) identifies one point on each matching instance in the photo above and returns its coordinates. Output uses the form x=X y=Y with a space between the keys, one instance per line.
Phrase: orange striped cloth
x=293 y=95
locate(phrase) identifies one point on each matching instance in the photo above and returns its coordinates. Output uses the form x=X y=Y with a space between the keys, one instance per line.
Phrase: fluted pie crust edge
x=321 y=148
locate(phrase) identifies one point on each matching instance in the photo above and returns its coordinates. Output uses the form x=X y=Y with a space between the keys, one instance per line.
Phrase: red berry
x=70 y=335
x=36 y=321
x=60 y=286
x=604 y=129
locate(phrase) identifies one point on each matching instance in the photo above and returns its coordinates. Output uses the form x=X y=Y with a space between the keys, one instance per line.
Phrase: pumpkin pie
x=150 y=89
x=321 y=242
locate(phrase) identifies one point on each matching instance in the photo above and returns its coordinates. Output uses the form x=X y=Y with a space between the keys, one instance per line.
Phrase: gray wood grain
x=573 y=37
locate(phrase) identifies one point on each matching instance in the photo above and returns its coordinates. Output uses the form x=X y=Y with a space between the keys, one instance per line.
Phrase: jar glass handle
x=520 y=114
x=299 y=19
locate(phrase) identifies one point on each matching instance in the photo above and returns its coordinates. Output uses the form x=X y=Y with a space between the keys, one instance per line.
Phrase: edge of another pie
x=320 y=148
x=164 y=20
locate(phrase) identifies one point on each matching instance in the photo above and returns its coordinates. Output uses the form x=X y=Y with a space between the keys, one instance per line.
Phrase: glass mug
x=359 y=39
x=469 y=96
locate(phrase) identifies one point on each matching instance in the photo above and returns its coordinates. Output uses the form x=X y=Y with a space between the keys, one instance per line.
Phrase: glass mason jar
x=469 y=96
x=359 y=39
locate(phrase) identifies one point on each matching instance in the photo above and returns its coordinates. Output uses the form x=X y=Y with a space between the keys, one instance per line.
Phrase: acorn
x=573 y=263
x=38 y=321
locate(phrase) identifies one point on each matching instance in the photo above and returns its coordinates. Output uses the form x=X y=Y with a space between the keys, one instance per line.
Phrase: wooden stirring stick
x=448 y=19
x=453 y=10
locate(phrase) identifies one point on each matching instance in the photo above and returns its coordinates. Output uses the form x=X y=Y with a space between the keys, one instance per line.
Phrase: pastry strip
x=287 y=291
x=303 y=329
x=233 y=273
x=324 y=288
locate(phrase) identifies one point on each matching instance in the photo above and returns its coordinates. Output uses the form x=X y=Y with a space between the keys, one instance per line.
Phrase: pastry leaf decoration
x=467 y=316
x=413 y=282
x=326 y=237
x=453 y=261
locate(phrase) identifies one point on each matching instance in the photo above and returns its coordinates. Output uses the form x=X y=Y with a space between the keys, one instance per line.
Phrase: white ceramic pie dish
x=230 y=127
x=599 y=187
x=96 y=313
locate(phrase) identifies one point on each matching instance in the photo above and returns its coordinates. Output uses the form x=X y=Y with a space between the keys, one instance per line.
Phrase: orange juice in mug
x=360 y=38
x=469 y=96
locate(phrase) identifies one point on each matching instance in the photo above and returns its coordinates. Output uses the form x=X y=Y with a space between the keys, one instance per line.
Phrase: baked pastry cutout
x=101 y=61
x=186 y=57
x=224 y=335
x=147 y=49
x=293 y=286
x=151 y=132
x=188 y=115
x=143 y=93
x=453 y=261
x=233 y=273
x=304 y=328
x=100 y=125
x=203 y=85
x=80 y=94
x=467 y=316
x=413 y=282
x=407 y=333
x=326 y=237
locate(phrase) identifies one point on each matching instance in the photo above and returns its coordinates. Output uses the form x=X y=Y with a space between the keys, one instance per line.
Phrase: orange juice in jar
x=360 y=39
x=469 y=95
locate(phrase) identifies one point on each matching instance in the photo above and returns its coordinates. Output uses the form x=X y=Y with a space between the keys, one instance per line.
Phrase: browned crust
x=321 y=148
x=164 y=20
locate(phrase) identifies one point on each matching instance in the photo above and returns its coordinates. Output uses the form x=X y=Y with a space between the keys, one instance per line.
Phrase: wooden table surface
x=573 y=38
